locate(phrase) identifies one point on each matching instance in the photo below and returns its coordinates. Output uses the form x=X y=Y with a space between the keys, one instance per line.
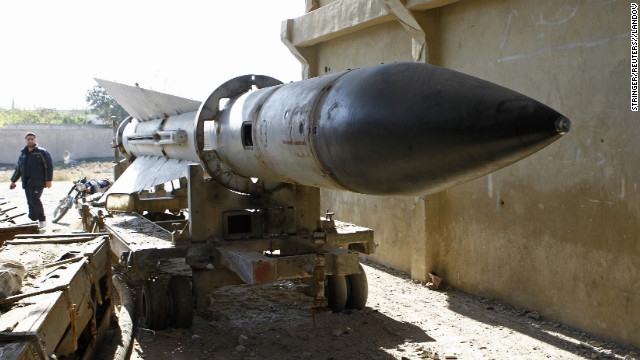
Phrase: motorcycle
x=86 y=191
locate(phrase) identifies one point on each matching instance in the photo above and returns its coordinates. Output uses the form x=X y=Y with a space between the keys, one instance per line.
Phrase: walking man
x=36 y=169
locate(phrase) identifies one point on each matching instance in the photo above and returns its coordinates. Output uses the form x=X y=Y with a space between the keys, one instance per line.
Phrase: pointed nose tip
x=563 y=125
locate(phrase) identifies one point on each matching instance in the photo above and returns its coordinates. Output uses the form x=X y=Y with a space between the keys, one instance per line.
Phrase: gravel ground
x=403 y=320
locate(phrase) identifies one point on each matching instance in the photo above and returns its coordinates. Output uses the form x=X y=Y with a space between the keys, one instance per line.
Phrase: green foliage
x=39 y=116
x=102 y=104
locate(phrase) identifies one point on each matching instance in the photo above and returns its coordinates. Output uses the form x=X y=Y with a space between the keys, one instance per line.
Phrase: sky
x=52 y=50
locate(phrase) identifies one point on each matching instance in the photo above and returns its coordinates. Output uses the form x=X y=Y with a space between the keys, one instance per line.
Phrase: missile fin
x=145 y=104
x=147 y=171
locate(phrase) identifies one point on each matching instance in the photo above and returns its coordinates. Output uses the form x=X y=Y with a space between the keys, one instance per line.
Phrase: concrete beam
x=286 y=34
x=347 y=16
x=419 y=49
x=343 y=17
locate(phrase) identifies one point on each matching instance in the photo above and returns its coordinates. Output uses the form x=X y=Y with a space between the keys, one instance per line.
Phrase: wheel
x=336 y=292
x=155 y=304
x=63 y=207
x=181 y=302
x=358 y=290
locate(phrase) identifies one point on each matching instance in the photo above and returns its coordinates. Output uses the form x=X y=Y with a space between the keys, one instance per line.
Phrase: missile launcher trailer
x=246 y=165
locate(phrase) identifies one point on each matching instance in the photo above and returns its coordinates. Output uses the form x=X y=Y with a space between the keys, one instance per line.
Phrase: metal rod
x=72 y=260
x=12 y=217
x=52 y=241
x=7 y=210
x=15 y=298
x=48 y=236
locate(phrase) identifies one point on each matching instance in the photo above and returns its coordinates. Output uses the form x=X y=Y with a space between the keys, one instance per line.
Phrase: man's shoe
x=42 y=224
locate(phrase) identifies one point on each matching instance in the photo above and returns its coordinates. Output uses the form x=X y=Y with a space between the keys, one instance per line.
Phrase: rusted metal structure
x=65 y=304
x=246 y=166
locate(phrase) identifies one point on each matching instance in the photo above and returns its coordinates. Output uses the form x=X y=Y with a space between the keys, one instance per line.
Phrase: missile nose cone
x=563 y=125
x=409 y=128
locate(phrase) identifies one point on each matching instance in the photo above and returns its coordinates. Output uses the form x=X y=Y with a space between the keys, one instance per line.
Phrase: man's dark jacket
x=35 y=167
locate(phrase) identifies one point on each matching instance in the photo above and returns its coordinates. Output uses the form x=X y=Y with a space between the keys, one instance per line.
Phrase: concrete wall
x=82 y=141
x=556 y=232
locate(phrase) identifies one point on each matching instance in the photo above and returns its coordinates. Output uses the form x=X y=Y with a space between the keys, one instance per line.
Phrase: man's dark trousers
x=36 y=211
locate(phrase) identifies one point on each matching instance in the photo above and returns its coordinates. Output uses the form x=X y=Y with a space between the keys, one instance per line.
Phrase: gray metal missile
x=392 y=129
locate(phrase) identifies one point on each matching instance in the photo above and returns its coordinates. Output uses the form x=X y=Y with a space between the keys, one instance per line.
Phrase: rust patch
x=297 y=142
x=264 y=272
x=262 y=163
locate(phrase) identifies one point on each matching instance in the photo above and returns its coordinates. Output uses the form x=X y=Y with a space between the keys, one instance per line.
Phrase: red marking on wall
x=291 y=142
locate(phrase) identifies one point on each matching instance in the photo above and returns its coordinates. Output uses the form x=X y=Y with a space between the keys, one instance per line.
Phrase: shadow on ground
x=525 y=322
x=276 y=323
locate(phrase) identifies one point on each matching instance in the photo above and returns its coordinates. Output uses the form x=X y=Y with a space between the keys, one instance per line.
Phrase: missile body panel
x=282 y=120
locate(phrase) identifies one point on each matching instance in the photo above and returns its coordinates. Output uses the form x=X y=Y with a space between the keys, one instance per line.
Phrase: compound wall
x=81 y=141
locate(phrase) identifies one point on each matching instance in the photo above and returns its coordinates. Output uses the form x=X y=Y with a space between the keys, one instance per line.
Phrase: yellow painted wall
x=379 y=44
x=557 y=232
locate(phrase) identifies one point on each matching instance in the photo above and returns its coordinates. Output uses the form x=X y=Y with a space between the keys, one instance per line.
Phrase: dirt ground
x=403 y=319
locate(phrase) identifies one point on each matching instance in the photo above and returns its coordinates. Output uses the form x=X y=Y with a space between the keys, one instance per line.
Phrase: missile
x=391 y=129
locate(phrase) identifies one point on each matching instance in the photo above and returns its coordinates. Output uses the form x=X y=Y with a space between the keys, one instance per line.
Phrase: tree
x=39 y=116
x=102 y=104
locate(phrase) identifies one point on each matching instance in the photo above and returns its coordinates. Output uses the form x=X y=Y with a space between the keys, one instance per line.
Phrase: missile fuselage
x=393 y=129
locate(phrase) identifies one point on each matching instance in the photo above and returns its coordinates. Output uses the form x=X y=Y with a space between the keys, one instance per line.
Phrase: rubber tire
x=336 y=292
x=62 y=208
x=155 y=304
x=358 y=290
x=181 y=302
